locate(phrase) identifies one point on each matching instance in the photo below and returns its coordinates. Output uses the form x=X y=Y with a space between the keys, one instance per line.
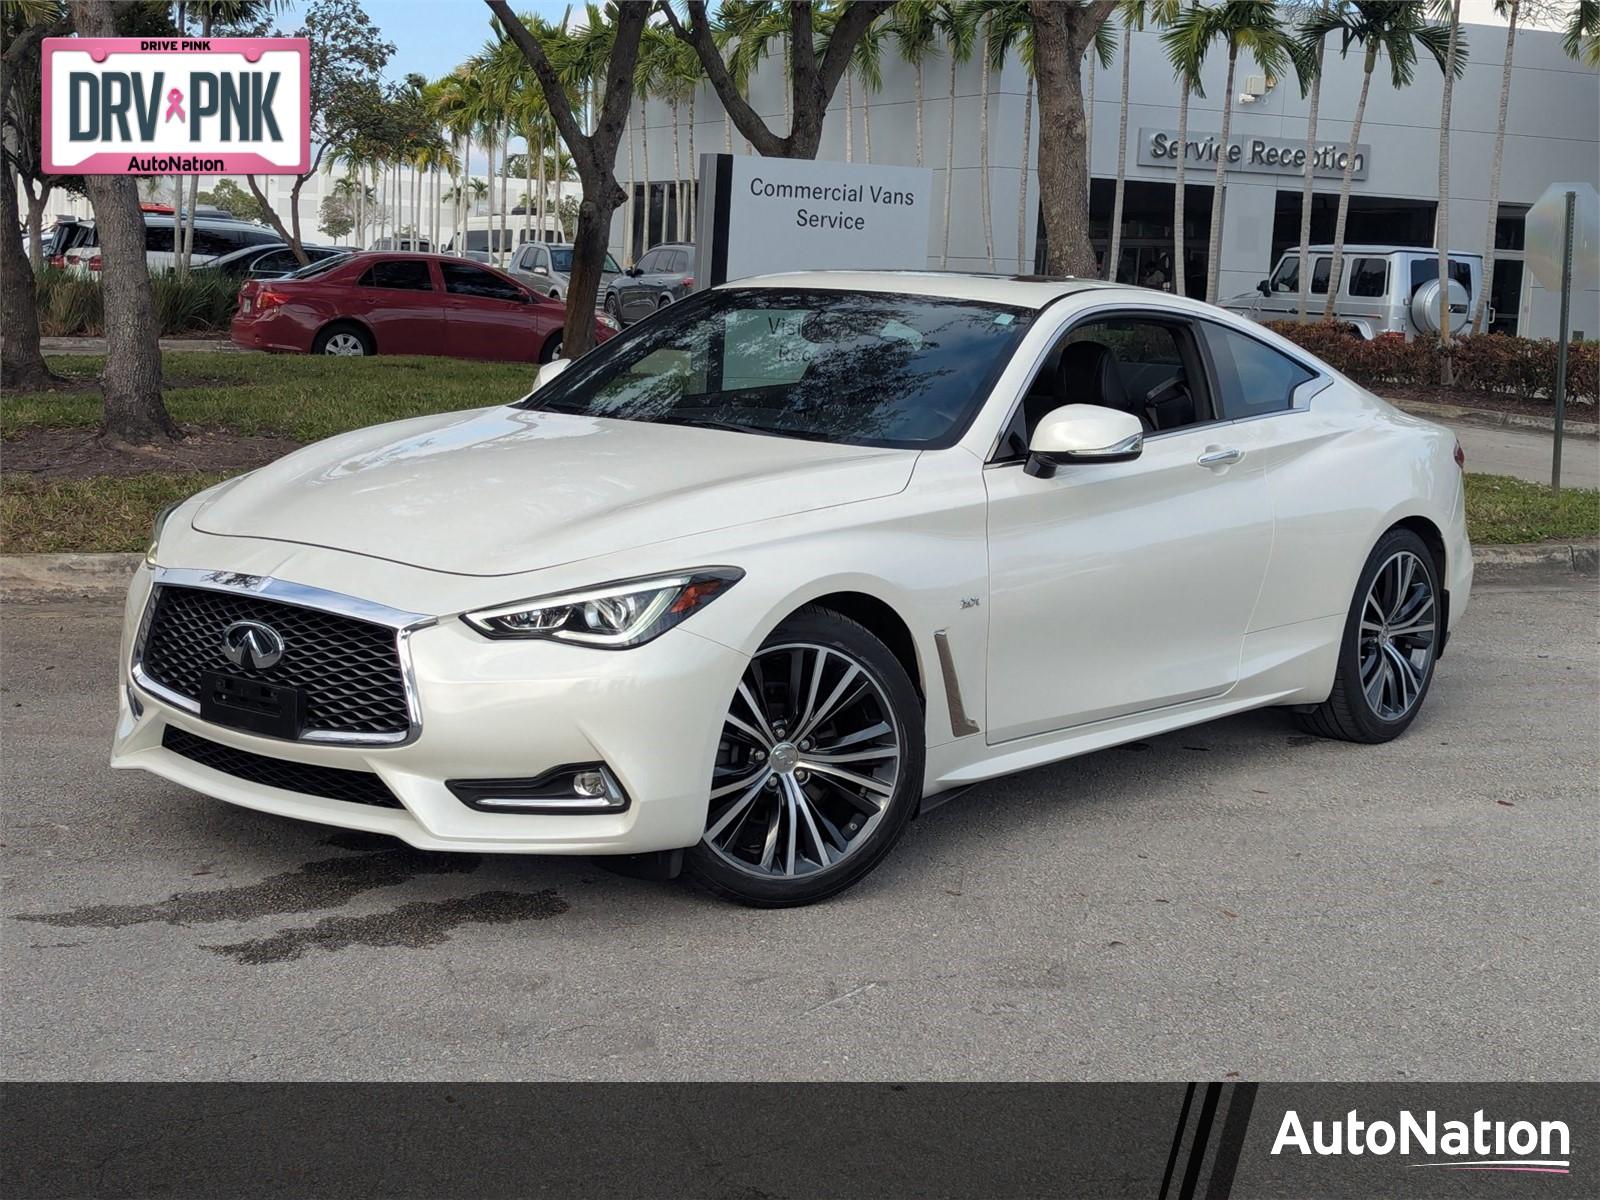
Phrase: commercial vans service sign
x=176 y=106
x=799 y=215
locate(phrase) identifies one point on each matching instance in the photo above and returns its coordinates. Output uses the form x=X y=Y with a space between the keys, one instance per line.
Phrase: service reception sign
x=762 y=215
x=176 y=106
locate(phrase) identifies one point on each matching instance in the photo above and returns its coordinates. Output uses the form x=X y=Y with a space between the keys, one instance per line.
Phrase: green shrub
x=1492 y=363
x=70 y=304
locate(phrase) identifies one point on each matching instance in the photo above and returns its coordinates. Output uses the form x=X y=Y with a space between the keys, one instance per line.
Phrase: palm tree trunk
x=1114 y=254
x=949 y=161
x=630 y=215
x=1447 y=366
x=677 y=173
x=527 y=174
x=1092 y=59
x=505 y=195
x=1480 y=308
x=1337 y=265
x=1219 y=187
x=544 y=235
x=985 y=206
x=1022 y=189
x=919 y=111
x=694 y=173
x=866 y=119
x=1180 y=278
x=1307 y=185
x=849 y=116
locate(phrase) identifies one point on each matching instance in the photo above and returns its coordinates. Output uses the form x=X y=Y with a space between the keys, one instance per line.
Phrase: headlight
x=613 y=615
x=606 y=320
x=155 y=532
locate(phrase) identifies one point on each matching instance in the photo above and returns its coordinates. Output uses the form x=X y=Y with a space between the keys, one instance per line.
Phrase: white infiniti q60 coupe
x=740 y=589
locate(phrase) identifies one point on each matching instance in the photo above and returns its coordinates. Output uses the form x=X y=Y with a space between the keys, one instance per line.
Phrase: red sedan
x=386 y=303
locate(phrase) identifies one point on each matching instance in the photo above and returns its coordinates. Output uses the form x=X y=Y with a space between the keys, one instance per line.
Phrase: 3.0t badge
x=252 y=644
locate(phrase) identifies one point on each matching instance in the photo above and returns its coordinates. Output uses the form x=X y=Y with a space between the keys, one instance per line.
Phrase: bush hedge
x=70 y=305
x=1492 y=363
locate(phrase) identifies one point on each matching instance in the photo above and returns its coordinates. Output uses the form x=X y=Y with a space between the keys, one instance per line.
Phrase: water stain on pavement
x=410 y=926
x=325 y=883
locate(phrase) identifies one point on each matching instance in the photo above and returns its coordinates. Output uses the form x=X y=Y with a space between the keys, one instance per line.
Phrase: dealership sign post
x=176 y=106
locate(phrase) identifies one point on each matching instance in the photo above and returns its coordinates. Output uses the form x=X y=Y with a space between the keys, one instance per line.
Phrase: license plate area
x=250 y=705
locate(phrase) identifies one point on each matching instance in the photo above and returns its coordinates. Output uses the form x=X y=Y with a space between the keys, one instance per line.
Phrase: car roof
x=1021 y=291
x=1372 y=249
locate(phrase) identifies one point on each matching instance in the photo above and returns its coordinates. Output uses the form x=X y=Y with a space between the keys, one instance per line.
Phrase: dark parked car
x=664 y=274
x=392 y=303
x=272 y=261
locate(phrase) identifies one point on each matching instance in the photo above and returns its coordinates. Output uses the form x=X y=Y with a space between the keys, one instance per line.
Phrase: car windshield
x=317 y=268
x=561 y=260
x=861 y=368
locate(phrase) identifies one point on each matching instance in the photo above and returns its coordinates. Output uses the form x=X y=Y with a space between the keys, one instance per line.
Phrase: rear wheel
x=614 y=308
x=345 y=340
x=818 y=770
x=1390 y=644
x=553 y=346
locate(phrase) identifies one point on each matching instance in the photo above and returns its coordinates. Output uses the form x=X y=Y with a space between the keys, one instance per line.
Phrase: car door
x=1121 y=587
x=637 y=294
x=488 y=315
x=400 y=301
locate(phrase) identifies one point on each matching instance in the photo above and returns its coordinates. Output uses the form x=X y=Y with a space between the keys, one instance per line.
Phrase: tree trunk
x=22 y=366
x=866 y=120
x=1114 y=254
x=849 y=117
x=1179 y=283
x=677 y=174
x=1337 y=265
x=985 y=197
x=949 y=161
x=1447 y=366
x=36 y=227
x=1219 y=186
x=1308 y=184
x=1022 y=188
x=630 y=214
x=503 y=258
x=1061 y=34
x=1481 y=307
x=542 y=205
x=694 y=177
x=644 y=154
x=919 y=110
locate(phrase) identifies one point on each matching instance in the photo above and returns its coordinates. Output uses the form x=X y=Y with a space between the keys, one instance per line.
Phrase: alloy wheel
x=344 y=344
x=1397 y=638
x=807 y=764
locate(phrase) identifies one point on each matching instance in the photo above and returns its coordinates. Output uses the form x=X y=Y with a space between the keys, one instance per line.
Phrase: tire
x=614 y=309
x=663 y=300
x=1383 y=678
x=551 y=350
x=801 y=832
x=344 y=339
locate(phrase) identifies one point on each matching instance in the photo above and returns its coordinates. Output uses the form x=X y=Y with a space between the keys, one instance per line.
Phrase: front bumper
x=490 y=709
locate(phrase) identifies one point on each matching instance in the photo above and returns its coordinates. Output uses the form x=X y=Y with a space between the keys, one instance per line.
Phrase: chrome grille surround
x=318 y=600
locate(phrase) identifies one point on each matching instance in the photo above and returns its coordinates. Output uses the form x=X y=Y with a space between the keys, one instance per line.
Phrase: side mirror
x=1083 y=433
x=633 y=272
x=1264 y=287
x=549 y=371
x=538 y=270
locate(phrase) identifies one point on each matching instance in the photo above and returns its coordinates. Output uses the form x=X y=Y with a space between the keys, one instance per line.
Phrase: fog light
x=582 y=788
x=135 y=705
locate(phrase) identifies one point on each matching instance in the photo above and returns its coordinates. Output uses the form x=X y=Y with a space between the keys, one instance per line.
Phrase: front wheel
x=818 y=770
x=1390 y=644
x=347 y=341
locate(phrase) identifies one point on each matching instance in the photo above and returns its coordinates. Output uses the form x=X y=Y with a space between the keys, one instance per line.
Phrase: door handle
x=1220 y=457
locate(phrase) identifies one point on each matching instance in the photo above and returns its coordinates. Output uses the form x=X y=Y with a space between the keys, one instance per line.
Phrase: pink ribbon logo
x=175 y=105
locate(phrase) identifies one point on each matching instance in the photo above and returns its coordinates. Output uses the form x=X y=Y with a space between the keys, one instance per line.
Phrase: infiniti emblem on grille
x=252 y=644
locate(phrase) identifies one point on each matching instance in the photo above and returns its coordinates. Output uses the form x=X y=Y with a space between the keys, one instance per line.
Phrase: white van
x=213 y=237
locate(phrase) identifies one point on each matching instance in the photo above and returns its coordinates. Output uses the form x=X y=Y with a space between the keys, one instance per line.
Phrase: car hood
x=502 y=491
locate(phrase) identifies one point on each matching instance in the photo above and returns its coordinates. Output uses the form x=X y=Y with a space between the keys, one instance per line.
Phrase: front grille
x=333 y=783
x=348 y=670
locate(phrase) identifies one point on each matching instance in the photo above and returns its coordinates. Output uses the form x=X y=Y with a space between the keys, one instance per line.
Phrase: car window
x=1320 y=270
x=680 y=262
x=1369 y=276
x=158 y=239
x=650 y=262
x=252 y=237
x=275 y=260
x=1150 y=372
x=403 y=274
x=209 y=242
x=1287 y=277
x=461 y=279
x=1252 y=377
x=1426 y=270
x=859 y=368
x=336 y=259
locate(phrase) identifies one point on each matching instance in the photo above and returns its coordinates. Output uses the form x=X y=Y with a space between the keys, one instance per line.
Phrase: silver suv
x=1386 y=290
x=548 y=268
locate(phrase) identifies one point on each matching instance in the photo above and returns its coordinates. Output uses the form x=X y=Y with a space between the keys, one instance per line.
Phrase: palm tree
x=866 y=64
x=1189 y=83
x=1454 y=65
x=1238 y=25
x=1581 y=40
x=1382 y=28
x=1008 y=25
x=957 y=24
x=915 y=30
x=1309 y=56
x=1135 y=15
x=1508 y=9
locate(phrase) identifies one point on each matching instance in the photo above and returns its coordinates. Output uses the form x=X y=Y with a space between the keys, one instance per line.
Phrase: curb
x=97 y=345
x=28 y=577
x=1493 y=418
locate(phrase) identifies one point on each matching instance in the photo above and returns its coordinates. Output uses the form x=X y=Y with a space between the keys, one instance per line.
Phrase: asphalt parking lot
x=1231 y=901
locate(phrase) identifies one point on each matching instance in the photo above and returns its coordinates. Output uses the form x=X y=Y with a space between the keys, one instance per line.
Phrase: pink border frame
x=236 y=163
